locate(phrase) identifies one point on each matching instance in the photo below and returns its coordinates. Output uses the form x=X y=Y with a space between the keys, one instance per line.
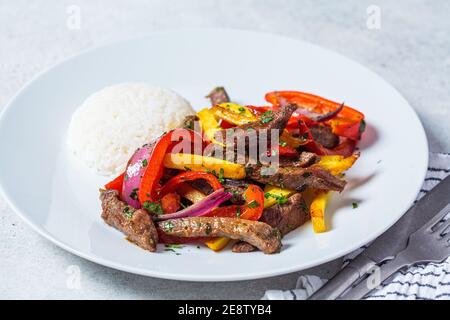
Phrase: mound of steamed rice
x=113 y=122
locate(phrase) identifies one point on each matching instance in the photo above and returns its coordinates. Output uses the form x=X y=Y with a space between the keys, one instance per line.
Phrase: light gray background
x=411 y=50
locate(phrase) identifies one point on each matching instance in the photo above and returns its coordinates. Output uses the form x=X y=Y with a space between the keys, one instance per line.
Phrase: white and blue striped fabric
x=422 y=282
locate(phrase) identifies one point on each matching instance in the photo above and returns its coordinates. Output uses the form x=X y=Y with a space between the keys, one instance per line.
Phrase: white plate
x=59 y=199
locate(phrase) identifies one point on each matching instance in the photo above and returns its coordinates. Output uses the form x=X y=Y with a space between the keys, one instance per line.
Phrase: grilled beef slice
x=135 y=224
x=276 y=120
x=324 y=136
x=242 y=247
x=258 y=234
x=218 y=95
x=305 y=159
x=287 y=216
x=296 y=178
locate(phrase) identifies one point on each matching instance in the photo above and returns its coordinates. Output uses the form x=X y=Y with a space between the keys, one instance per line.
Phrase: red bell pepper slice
x=348 y=122
x=251 y=210
x=148 y=189
x=186 y=176
x=116 y=184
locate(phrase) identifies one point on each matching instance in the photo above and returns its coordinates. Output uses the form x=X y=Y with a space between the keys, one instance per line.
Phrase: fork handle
x=385 y=271
x=344 y=279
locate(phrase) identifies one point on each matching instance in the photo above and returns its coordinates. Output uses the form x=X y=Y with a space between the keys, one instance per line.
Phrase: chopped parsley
x=283 y=143
x=128 y=212
x=134 y=194
x=238 y=212
x=266 y=117
x=168 y=226
x=220 y=177
x=253 y=204
x=144 y=162
x=174 y=246
x=362 y=126
x=279 y=198
x=241 y=109
x=153 y=207
x=187 y=168
x=354 y=205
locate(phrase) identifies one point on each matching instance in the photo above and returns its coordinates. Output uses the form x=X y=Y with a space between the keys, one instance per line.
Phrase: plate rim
x=202 y=278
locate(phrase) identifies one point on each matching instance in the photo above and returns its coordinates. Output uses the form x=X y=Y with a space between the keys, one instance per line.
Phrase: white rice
x=113 y=122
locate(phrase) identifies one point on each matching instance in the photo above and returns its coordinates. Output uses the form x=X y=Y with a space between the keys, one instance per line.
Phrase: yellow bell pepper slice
x=271 y=193
x=209 y=124
x=190 y=193
x=233 y=113
x=338 y=164
x=195 y=162
x=217 y=244
x=317 y=210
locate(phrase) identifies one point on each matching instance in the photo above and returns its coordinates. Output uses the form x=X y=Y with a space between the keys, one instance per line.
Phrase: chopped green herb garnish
x=280 y=198
x=168 y=226
x=253 y=204
x=153 y=207
x=208 y=229
x=241 y=109
x=128 y=212
x=144 y=162
x=283 y=143
x=362 y=126
x=174 y=246
x=266 y=117
x=187 y=168
x=354 y=205
x=134 y=194
x=220 y=177
x=238 y=212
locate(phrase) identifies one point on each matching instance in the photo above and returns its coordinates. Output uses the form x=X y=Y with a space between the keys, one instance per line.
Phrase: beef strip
x=296 y=178
x=287 y=216
x=218 y=95
x=135 y=224
x=305 y=159
x=324 y=136
x=276 y=120
x=258 y=234
x=242 y=247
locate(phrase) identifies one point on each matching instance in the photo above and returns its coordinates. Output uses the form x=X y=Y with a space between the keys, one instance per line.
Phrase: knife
x=386 y=246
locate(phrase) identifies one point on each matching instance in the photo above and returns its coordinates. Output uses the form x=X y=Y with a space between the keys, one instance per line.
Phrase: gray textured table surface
x=411 y=50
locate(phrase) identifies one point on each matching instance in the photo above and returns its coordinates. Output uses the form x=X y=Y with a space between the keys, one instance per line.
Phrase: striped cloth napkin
x=422 y=282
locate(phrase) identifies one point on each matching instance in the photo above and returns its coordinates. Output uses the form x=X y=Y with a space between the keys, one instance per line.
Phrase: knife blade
x=386 y=246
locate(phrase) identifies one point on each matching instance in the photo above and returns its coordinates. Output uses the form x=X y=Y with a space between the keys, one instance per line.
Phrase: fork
x=430 y=243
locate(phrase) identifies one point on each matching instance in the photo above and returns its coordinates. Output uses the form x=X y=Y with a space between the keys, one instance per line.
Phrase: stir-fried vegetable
x=193 y=162
x=116 y=184
x=317 y=210
x=149 y=184
x=209 y=124
x=190 y=193
x=200 y=208
x=336 y=165
x=233 y=113
x=347 y=123
x=173 y=184
x=274 y=195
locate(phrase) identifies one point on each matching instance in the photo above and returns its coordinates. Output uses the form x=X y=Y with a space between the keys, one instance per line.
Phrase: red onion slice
x=200 y=208
x=133 y=175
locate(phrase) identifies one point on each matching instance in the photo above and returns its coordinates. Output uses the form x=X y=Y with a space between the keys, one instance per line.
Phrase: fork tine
x=443 y=226
x=435 y=220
